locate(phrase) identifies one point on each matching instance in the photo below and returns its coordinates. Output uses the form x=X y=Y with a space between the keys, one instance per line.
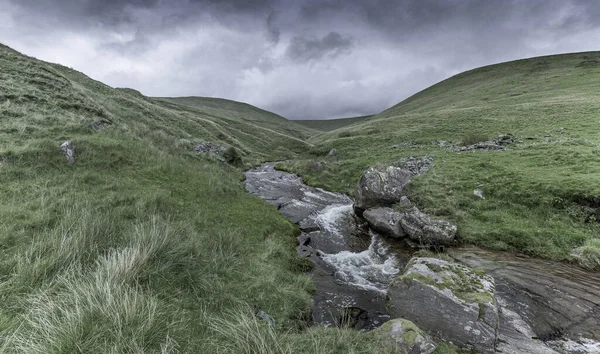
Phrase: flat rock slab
x=555 y=299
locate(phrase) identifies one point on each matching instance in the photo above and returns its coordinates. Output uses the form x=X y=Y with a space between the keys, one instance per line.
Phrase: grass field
x=327 y=125
x=541 y=196
x=143 y=245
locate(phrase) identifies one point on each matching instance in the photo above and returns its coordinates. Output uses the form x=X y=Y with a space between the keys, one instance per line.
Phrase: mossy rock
x=406 y=337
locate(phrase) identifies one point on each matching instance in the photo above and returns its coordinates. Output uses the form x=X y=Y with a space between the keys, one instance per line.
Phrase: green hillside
x=541 y=196
x=142 y=245
x=233 y=111
x=327 y=125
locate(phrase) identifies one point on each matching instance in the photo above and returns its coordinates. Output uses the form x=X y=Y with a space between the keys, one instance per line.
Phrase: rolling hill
x=541 y=195
x=326 y=125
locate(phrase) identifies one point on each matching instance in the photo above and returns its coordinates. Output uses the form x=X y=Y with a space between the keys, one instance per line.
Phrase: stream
x=551 y=301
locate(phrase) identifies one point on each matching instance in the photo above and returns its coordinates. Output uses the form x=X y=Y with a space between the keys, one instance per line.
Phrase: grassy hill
x=233 y=111
x=541 y=196
x=326 y=125
x=143 y=245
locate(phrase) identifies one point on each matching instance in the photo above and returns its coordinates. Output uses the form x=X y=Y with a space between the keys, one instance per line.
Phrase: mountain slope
x=541 y=195
x=238 y=111
x=142 y=245
x=326 y=125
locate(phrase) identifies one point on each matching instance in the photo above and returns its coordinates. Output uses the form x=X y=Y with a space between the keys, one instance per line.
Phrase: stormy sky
x=303 y=59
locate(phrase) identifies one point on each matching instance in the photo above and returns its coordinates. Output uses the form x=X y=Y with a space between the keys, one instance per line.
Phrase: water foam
x=372 y=269
x=329 y=217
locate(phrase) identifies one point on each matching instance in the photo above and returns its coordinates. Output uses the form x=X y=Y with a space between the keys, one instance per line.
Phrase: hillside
x=142 y=245
x=326 y=125
x=541 y=195
x=233 y=111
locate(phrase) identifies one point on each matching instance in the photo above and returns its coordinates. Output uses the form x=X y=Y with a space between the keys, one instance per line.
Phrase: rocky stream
x=536 y=306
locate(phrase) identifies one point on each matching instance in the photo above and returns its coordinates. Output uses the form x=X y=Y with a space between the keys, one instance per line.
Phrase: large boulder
x=386 y=221
x=426 y=229
x=380 y=186
x=406 y=337
x=448 y=300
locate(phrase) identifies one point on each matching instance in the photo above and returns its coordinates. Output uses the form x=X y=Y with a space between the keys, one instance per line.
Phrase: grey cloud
x=364 y=56
x=302 y=49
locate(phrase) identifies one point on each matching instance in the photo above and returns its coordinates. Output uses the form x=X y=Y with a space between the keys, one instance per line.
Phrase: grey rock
x=500 y=143
x=417 y=165
x=385 y=221
x=381 y=186
x=406 y=337
x=207 y=147
x=99 y=124
x=353 y=317
x=555 y=299
x=308 y=225
x=448 y=300
x=68 y=149
x=332 y=152
x=426 y=229
x=515 y=335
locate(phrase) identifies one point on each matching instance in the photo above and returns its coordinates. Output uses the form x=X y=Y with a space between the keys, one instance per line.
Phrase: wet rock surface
x=448 y=300
x=556 y=302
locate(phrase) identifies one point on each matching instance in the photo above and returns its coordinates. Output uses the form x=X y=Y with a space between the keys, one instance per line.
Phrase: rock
x=209 y=147
x=68 y=149
x=499 y=143
x=380 y=186
x=417 y=165
x=332 y=152
x=448 y=300
x=515 y=335
x=406 y=337
x=99 y=124
x=426 y=229
x=386 y=221
x=479 y=193
x=309 y=225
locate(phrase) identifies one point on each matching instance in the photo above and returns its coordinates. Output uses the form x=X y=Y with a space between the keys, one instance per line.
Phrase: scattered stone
x=406 y=336
x=303 y=239
x=426 y=229
x=380 y=186
x=332 y=152
x=417 y=165
x=385 y=221
x=68 y=149
x=448 y=300
x=265 y=316
x=497 y=144
x=479 y=193
x=305 y=251
x=210 y=147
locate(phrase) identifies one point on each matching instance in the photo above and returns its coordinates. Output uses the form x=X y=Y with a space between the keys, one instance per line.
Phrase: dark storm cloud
x=364 y=55
x=303 y=49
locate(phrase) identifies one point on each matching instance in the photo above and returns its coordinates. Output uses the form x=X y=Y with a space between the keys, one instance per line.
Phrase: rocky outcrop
x=380 y=186
x=210 y=147
x=406 y=337
x=385 y=221
x=426 y=229
x=499 y=143
x=448 y=300
x=68 y=149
